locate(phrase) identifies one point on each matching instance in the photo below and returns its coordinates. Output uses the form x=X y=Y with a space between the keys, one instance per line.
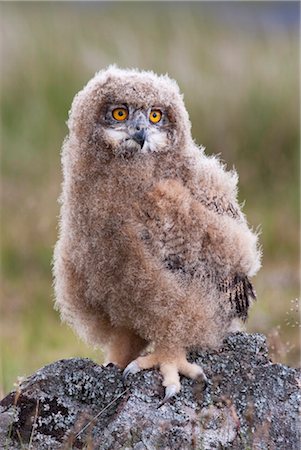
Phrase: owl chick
x=153 y=247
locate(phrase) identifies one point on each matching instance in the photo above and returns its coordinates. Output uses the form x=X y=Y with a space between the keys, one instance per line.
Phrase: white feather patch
x=115 y=136
x=155 y=142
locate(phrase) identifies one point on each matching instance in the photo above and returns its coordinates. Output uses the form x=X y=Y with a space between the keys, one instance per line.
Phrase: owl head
x=129 y=114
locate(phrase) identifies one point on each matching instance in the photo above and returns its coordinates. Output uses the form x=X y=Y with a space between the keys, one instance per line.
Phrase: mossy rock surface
x=74 y=403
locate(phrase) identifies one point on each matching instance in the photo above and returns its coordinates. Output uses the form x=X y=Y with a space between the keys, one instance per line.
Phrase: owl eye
x=155 y=116
x=120 y=114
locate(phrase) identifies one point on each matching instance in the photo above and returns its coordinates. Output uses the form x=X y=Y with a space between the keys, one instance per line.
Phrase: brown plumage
x=153 y=246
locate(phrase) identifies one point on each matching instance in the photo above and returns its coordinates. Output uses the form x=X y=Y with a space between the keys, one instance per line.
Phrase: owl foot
x=170 y=369
x=131 y=368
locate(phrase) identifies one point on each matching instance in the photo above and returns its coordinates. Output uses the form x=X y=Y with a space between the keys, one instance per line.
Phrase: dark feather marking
x=237 y=288
x=239 y=291
x=216 y=204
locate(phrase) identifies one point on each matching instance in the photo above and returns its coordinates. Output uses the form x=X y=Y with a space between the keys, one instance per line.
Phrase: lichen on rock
x=74 y=403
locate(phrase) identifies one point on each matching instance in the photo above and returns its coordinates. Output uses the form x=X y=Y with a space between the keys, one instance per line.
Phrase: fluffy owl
x=153 y=247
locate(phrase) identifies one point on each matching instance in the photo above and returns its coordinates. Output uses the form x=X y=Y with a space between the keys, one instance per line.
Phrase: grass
x=240 y=88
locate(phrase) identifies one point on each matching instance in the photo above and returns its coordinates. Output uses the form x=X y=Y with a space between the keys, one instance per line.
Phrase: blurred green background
x=238 y=66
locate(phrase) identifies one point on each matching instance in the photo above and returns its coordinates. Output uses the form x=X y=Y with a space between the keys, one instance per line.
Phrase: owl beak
x=139 y=137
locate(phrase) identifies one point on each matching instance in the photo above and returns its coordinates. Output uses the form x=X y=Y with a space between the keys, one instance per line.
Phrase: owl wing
x=184 y=233
x=239 y=291
x=236 y=286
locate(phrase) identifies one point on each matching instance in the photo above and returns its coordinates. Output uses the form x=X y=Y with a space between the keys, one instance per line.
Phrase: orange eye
x=155 y=116
x=120 y=114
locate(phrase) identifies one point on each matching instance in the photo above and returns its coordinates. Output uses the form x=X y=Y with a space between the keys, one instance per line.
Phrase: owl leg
x=124 y=346
x=170 y=365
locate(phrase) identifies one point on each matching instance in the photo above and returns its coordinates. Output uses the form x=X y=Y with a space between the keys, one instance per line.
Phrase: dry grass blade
x=100 y=412
x=33 y=425
x=20 y=440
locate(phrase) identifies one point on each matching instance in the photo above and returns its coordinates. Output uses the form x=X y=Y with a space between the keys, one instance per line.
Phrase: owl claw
x=202 y=379
x=131 y=368
x=201 y=374
x=170 y=391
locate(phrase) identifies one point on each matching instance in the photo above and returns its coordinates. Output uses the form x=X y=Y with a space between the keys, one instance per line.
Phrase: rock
x=249 y=403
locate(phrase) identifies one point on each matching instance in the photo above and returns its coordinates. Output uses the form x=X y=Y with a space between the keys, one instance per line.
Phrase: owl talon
x=131 y=368
x=201 y=378
x=170 y=391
